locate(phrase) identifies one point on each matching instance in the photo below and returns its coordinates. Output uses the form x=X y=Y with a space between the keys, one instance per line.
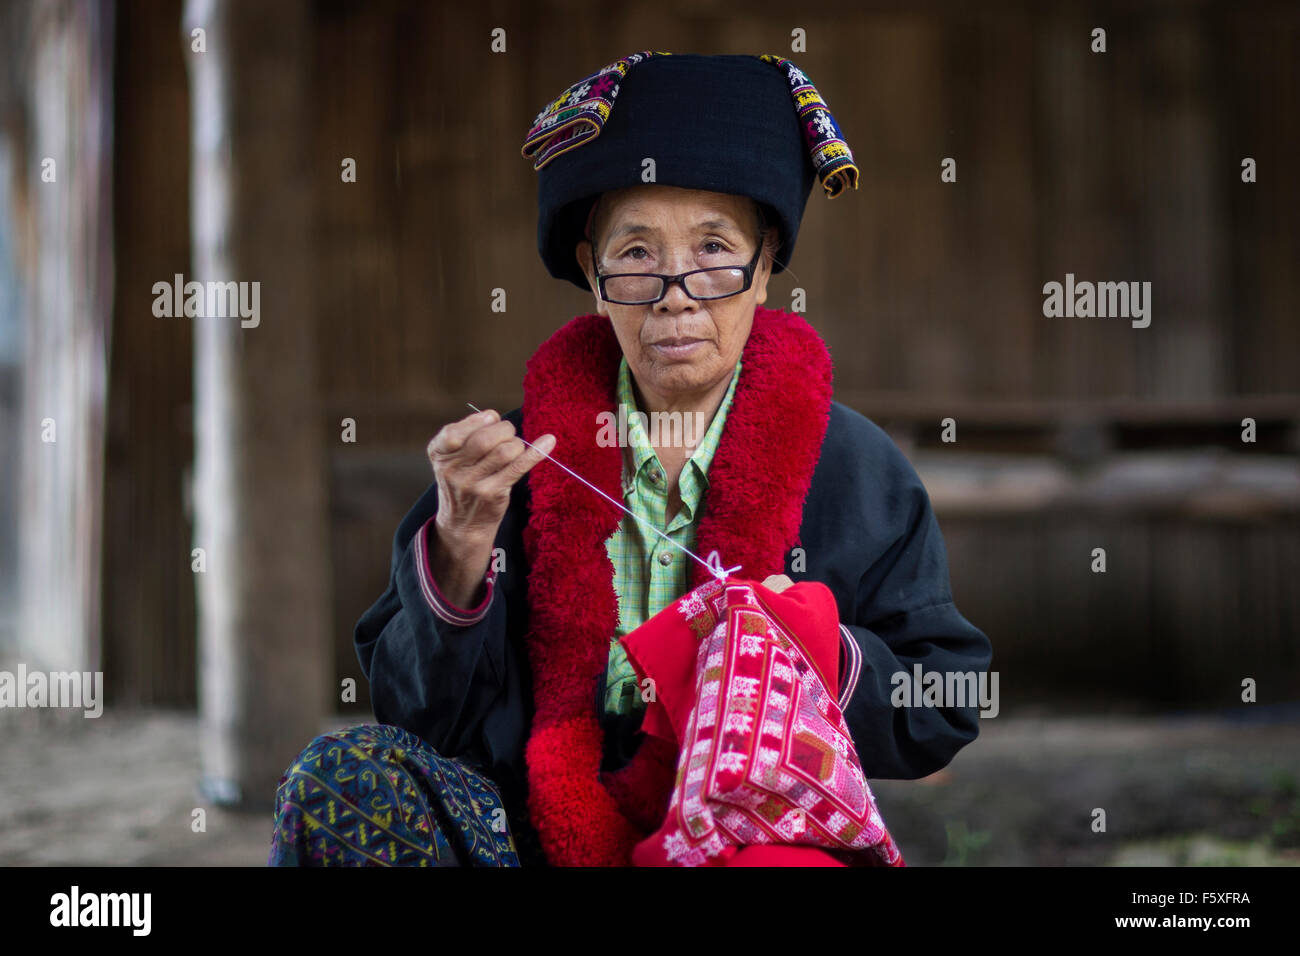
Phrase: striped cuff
x=440 y=606
x=850 y=666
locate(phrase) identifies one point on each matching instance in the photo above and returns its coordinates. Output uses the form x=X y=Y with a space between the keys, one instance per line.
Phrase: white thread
x=714 y=563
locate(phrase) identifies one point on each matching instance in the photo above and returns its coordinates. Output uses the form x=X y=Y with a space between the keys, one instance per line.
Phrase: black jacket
x=868 y=533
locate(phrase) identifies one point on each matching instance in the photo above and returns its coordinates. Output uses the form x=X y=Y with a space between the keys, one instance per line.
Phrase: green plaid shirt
x=649 y=573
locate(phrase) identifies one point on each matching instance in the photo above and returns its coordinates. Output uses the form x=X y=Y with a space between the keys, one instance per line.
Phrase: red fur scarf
x=758 y=480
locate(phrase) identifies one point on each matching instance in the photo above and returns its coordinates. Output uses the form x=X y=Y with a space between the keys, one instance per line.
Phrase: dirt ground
x=1188 y=790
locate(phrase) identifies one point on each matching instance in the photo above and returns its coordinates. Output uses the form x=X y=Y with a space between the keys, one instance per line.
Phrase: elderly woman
x=539 y=691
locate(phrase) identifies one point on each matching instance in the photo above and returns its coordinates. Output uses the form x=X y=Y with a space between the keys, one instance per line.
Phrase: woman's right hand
x=476 y=461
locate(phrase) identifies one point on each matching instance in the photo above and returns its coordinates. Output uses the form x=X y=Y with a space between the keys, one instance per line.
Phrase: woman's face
x=678 y=349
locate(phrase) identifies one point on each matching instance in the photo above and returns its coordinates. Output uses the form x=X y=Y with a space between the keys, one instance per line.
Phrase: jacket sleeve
x=453 y=678
x=892 y=570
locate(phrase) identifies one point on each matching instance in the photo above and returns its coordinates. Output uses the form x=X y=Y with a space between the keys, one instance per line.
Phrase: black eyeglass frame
x=679 y=279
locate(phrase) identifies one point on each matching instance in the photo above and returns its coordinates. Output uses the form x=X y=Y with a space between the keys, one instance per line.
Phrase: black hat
x=746 y=125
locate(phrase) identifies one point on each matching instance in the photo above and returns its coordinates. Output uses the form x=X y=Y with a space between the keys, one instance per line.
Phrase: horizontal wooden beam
x=912 y=407
x=1203 y=484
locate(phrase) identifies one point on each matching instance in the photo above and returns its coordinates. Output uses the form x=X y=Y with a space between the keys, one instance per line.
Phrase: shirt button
x=666 y=558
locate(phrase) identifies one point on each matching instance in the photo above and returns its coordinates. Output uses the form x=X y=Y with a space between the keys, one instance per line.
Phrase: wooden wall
x=149 y=625
x=1115 y=166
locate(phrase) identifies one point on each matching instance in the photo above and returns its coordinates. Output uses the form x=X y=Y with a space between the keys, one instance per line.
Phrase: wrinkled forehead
x=656 y=206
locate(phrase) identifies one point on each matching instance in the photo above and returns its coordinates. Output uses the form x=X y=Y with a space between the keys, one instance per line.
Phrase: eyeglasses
x=647 y=288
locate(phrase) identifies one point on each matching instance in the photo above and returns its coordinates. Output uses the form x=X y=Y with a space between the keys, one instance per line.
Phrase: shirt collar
x=639 y=442
x=702 y=457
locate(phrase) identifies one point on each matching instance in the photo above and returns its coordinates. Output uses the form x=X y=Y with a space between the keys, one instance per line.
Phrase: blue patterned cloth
x=377 y=795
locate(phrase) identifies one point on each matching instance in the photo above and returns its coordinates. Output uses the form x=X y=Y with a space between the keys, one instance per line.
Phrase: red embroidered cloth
x=767 y=772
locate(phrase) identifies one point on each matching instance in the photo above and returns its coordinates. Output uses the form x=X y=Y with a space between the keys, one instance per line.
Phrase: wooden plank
x=149 y=634
x=67 y=294
x=260 y=486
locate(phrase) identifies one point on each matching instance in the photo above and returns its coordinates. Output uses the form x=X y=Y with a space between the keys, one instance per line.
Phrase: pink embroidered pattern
x=767 y=757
